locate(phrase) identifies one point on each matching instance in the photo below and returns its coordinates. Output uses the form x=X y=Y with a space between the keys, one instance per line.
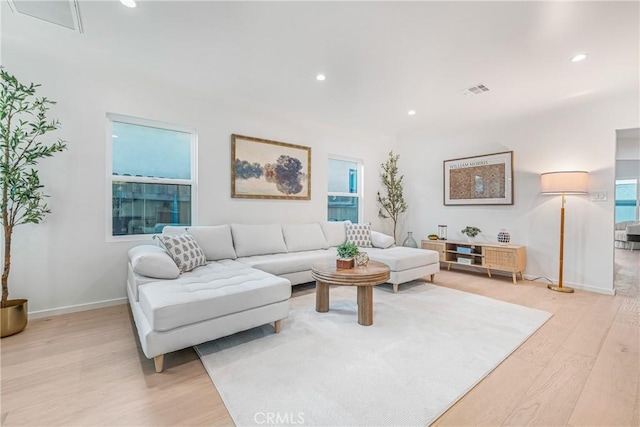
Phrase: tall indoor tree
x=393 y=204
x=23 y=121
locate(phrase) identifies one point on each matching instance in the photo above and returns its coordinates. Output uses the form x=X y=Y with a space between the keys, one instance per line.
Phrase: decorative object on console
x=563 y=183
x=410 y=242
x=346 y=253
x=263 y=169
x=432 y=237
x=362 y=259
x=504 y=237
x=471 y=233
x=23 y=120
x=442 y=232
x=393 y=204
x=479 y=180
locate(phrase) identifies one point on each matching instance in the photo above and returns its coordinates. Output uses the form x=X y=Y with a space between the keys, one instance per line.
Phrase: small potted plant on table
x=471 y=233
x=346 y=255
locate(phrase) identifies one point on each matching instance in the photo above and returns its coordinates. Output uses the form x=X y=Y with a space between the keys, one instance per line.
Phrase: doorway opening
x=627 y=213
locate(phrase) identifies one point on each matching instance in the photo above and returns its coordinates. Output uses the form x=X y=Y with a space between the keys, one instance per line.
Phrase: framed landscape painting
x=263 y=169
x=479 y=180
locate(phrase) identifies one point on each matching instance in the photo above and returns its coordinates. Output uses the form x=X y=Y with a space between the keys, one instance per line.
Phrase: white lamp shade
x=567 y=182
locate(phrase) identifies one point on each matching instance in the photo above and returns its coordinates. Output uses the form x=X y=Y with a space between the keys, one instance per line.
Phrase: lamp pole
x=559 y=287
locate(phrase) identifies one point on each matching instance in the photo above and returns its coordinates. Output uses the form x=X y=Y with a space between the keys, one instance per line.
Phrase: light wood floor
x=86 y=369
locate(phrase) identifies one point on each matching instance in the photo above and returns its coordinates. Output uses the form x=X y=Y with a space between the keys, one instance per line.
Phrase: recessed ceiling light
x=321 y=77
x=128 y=3
x=411 y=112
x=579 y=57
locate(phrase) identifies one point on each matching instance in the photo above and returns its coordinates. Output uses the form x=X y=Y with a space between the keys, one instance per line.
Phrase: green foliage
x=393 y=204
x=347 y=250
x=23 y=120
x=471 y=231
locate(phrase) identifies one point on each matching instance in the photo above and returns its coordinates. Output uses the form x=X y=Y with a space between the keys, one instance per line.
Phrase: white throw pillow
x=215 y=241
x=304 y=237
x=359 y=234
x=335 y=232
x=381 y=240
x=184 y=250
x=153 y=261
x=252 y=240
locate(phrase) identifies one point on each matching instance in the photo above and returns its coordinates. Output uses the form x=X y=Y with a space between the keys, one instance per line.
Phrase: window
x=627 y=200
x=152 y=175
x=344 y=189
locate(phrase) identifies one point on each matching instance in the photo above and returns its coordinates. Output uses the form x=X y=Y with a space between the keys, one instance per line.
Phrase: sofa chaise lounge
x=246 y=281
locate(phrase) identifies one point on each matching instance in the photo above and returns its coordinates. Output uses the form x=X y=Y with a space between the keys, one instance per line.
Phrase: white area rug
x=428 y=346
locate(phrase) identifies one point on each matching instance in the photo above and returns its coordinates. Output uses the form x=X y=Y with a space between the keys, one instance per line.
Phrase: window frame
x=359 y=184
x=110 y=178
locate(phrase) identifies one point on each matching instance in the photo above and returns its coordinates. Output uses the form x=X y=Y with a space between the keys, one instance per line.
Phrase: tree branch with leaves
x=393 y=204
x=23 y=120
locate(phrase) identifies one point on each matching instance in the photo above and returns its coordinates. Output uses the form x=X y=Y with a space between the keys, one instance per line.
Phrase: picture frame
x=264 y=169
x=479 y=180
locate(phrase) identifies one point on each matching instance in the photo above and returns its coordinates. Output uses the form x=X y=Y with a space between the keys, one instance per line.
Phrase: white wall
x=572 y=137
x=66 y=261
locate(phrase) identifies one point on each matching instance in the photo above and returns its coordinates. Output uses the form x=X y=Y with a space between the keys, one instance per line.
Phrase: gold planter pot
x=13 y=318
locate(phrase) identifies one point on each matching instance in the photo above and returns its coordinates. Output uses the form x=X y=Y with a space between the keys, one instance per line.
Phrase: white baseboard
x=75 y=308
x=580 y=286
x=592 y=289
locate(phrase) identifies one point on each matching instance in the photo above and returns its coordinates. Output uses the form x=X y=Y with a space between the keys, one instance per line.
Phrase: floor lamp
x=563 y=183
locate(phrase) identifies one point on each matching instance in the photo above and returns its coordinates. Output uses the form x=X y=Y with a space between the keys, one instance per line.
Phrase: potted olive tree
x=393 y=204
x=23 y=121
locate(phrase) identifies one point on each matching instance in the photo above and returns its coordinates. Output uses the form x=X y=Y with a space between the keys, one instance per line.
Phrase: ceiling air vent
x=60 y=12
x=475 y=90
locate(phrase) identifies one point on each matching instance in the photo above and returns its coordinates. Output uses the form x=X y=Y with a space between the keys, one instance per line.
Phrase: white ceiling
x=381 y=59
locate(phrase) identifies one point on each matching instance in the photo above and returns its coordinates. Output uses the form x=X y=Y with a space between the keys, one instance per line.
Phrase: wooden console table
x=490 y=256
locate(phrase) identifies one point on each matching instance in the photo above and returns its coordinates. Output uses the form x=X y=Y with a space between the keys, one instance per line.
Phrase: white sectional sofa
x=246 y=282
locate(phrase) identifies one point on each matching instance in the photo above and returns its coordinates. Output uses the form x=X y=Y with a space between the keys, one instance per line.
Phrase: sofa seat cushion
x=214 y=290
x=399 y=258
x=291 y=262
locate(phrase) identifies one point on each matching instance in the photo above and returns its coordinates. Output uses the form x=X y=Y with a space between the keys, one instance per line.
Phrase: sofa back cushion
x=304 y=237
x=252 y=240
x=335 y=232
x=215 y=240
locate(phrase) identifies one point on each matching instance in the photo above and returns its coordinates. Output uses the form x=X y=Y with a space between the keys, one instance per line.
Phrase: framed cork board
x=479 y=180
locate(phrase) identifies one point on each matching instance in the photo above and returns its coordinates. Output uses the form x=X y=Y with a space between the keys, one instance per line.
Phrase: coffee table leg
x=322 y=297
x=365 y=305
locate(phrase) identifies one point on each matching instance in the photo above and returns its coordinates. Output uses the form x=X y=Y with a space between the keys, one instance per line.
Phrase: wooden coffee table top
x=374 y=273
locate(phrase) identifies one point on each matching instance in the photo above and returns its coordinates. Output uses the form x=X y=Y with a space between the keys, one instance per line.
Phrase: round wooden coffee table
x=326 y=273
